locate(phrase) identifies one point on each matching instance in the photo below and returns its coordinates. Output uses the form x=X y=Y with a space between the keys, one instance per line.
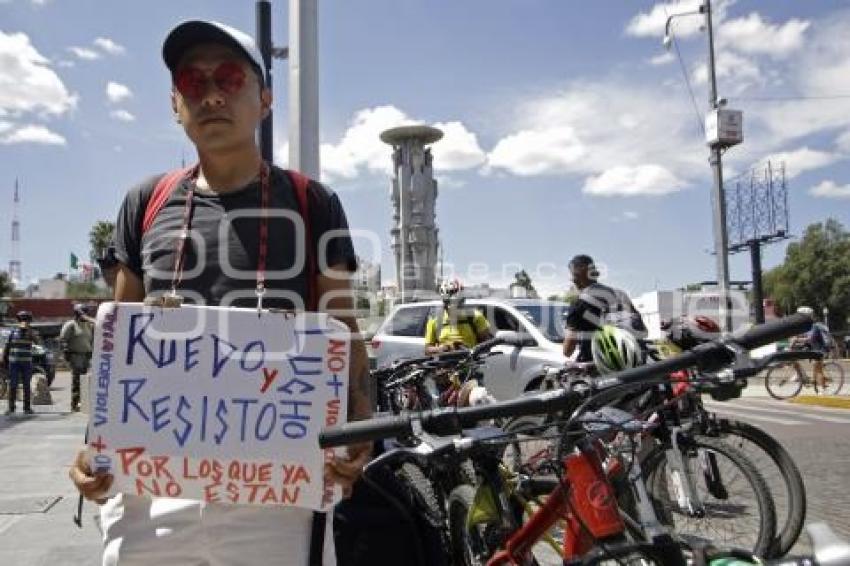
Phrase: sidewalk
x=37 y=500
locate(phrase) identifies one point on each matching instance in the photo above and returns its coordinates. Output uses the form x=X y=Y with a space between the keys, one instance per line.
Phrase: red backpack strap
x=301 y=183
x=163 y=189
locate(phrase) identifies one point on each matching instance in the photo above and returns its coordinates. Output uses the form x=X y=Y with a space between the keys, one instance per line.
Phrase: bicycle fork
x=682 y=479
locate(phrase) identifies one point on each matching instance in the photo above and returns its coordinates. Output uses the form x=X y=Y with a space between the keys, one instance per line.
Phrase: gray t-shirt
x=220 y=266
x=220 y=269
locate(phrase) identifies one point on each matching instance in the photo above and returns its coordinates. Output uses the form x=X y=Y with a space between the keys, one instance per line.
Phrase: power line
x=688 y=83
x=684 y=70
x=782 y=98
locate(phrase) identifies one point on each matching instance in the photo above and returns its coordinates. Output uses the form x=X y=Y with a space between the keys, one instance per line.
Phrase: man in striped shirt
x=17 y=356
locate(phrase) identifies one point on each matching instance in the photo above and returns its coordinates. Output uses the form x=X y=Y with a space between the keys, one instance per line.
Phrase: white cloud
x=109 y=46
x=116 y=92
x=458 y=149
x=122 y=115
x=663 y=59
x=534 y=152
x=829 y=189
x=801 y=160
x=31 y=134
x=84 y=53
x=621 y=180
x=740 y=71
x=28 y=82
x=820 y=68
x=598 y=130
x=360 y=148
x=651 y=24
x=753 y=35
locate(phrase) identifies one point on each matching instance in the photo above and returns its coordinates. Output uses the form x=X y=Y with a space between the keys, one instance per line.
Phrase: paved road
x=818 y=438
x=37 y=500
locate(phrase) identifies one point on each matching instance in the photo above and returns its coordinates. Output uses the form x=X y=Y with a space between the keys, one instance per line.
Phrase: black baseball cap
x=190 y=33
x=581 y=260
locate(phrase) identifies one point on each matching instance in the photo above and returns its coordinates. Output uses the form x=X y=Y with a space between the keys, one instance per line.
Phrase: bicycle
x=715 y=482
x=787 y=380
x=583 y=494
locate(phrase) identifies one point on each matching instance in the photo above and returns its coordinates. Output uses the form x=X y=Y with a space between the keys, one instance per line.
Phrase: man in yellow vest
x=455 y=327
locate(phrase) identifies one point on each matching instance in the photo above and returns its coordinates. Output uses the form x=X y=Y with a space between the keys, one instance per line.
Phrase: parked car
x=511 y=371
x=43 y=359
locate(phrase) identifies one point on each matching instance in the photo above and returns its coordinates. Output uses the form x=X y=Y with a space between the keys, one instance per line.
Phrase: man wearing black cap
x=595 y=306
x=235 y=255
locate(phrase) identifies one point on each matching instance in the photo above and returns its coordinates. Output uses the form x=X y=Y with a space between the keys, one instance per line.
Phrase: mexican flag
x=74 y=261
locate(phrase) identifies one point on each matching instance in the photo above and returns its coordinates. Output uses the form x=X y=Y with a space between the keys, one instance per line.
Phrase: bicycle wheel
x=423 y=492
x=783 y=381
x=833 y=375
x=469 y=543
x=736 y=511
x=780 y=473
x=533 y=447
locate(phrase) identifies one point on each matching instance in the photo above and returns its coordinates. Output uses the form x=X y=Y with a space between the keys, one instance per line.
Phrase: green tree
x=86 y=290
x=6 y=285
x=100 y=238
x=815 y=273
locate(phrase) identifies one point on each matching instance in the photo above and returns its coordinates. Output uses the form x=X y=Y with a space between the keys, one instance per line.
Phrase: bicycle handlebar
x=452 y=420
x=446 y=421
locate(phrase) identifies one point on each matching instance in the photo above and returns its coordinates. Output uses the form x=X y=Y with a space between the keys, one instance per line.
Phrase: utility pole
x=718 y=198
x=723 y=130
x=304 y=87
x=269 y=53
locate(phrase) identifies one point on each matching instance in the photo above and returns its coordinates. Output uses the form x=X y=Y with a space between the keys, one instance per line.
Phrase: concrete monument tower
x=414 y=197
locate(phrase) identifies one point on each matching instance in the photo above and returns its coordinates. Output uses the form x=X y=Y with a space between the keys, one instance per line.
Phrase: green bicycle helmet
x=615 y=349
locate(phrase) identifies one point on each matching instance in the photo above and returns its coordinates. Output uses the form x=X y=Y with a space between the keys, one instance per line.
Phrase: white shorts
x=176 y=532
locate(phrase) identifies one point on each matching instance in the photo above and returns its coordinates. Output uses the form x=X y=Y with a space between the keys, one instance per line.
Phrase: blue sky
x=568 y=127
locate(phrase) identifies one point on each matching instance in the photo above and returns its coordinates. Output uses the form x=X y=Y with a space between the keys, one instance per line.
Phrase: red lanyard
x=180 y=244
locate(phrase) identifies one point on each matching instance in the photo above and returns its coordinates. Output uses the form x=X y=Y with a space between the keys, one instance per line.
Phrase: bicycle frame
x=584 y=498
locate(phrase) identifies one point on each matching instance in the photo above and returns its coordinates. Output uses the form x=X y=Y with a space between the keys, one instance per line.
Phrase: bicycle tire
x=423 y=492
x=467 y=548
x=778 y=376
x=765 y=532
x=793 y=500
x=520 y=455
x=834 y=378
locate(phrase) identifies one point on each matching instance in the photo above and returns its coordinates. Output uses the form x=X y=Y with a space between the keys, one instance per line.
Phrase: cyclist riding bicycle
x=817 y=339
x=455 y=327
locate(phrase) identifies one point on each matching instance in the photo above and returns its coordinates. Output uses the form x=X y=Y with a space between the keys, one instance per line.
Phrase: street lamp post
x=718 y=198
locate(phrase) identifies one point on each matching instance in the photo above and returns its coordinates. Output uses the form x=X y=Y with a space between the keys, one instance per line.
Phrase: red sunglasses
x=191 y=82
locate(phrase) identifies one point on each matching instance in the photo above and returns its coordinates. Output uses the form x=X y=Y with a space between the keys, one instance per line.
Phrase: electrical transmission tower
x=757 y=214
x=15 y=258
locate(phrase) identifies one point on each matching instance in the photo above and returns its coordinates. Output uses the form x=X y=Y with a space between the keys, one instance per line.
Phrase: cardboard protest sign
x=217 y=404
